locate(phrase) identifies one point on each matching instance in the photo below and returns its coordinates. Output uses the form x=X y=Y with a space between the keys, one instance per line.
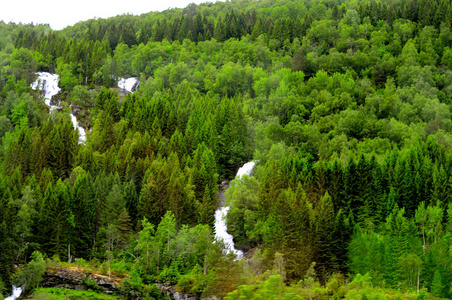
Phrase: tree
x=114 y=205
x=242 y=199
x=63 y=143
x=272 y=288
x=68 y=79
x=437 y=285
x=421 y=220
x=83 y=208
x=61 y=219
x=6 y=256
x=22 y=231
x=411 y=266
x=32 y=275
x=124 y=225
x=434 y=222
x=2 y=289
x=145 y=243
x=227 y=274
x=166 y=231
x=5 y=125
x=324 y=246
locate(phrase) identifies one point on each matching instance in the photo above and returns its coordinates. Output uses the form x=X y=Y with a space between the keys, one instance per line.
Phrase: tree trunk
x=418 y=273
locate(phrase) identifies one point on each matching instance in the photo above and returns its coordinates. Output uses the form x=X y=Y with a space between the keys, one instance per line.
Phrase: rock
x=79 y=279
x=221 y=190
x=170 y=291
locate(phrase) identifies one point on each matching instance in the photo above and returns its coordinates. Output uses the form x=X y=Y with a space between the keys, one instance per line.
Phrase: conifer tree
x=131 y=199
x=437 y=285
x=324 y=228
x=83 y=209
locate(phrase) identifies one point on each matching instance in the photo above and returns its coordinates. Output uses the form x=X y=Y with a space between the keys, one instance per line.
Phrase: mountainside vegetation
x=345 y=106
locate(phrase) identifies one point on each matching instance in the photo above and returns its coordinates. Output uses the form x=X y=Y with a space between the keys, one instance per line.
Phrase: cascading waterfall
x=48 y=83
x=17 y=291
x=221 y=230
x=128 y=84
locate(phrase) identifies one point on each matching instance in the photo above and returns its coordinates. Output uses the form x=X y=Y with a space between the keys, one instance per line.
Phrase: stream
x=17 y=291
x=221 y=229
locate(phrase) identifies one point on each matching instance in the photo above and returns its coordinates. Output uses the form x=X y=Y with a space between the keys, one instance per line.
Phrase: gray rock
x=75 y=279
x=170 y=291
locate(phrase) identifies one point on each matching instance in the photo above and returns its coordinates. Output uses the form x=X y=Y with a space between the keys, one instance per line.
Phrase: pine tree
x=124 y=225
x=131 y=199
x=6 y=255
x=60 y=219
x=353 y=202
x=437 y=285
x=83 y=209
x=324 y=228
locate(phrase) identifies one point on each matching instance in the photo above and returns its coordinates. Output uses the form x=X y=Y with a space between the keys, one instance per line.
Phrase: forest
x=344 y=106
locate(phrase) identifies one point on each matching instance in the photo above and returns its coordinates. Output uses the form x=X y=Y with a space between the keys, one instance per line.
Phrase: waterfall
x=245 y=169
x=17 y=291
x=48 y=83
x=81 y=130
x=128 y=84
x=221 y=230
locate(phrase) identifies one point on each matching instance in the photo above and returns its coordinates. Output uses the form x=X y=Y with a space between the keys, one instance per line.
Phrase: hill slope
x=345 y=107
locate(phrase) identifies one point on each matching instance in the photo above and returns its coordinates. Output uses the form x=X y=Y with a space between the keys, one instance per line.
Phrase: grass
x=65 y=294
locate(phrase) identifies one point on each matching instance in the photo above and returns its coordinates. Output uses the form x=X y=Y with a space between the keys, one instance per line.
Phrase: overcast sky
x=61 y=13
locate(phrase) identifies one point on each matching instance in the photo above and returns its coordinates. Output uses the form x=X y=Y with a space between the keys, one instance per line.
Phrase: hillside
x=344 y=106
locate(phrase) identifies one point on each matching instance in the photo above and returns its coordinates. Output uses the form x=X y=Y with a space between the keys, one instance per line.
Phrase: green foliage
x=31 y=275
x=146 y=240
x=91 y=284
x=242 y=198
x=270 y=289
x=2 y=289
x=345 y=108
x=57 y=294
x=422 y=295
x=193 y=282
x=437 y=285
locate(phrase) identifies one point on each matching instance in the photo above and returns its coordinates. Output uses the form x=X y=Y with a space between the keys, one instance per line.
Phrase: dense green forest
x=345 y=106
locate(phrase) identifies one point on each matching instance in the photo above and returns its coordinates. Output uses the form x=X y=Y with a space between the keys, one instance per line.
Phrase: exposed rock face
x=170 y=291
x=77 y=279
x=80 y=279
x=221 y=190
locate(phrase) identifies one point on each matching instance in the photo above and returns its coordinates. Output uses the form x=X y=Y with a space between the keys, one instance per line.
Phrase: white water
x=127 y=84
x=17 y=291
x=221 y=230
x=48 y=83
x=245 y=169
x=81 y=130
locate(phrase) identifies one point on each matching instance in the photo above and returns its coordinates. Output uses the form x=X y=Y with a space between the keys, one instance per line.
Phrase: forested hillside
x=345 y=106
